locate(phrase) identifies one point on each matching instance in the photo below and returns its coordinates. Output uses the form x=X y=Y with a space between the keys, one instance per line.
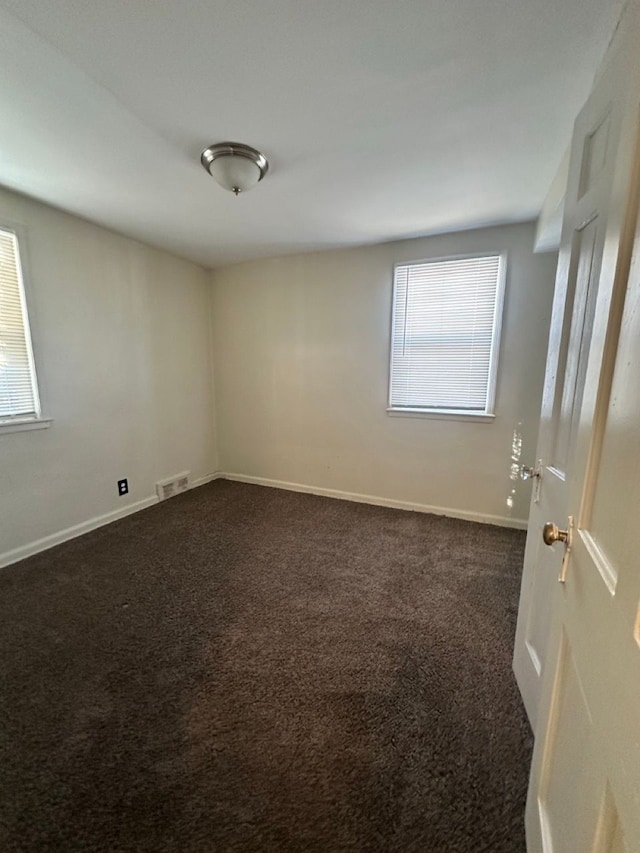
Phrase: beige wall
x=122 y=344
x=122 y=338
x=301 y=368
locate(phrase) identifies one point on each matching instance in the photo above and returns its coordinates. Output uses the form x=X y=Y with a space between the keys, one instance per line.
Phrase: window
x=19 y=402
x=445 y=335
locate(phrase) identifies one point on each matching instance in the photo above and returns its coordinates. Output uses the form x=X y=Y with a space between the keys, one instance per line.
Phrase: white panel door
x=590 y=193
x=584 y=792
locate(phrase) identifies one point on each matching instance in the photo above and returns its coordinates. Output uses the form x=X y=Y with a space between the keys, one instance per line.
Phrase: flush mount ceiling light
x=236 y=167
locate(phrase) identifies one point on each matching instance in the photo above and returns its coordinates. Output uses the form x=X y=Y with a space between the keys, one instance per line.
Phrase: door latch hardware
x=534 y=473
x=551 y=534
x=528 y=473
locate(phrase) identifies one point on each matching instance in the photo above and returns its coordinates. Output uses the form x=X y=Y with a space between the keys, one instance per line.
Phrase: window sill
x=24 y=424
x=443 y=415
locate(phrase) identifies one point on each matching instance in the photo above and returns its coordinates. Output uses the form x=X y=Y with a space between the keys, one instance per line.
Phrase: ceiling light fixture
x=236 y=167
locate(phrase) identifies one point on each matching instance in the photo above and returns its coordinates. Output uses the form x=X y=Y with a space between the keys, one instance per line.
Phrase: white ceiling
x=380 y=119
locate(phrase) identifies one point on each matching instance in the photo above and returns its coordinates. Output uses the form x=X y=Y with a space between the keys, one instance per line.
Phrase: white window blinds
x=445 y=333
x=18 y=391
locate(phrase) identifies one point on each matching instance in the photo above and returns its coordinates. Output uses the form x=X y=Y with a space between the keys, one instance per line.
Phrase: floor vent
x=172 y=486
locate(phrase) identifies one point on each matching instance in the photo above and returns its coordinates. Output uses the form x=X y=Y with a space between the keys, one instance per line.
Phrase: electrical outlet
x=123 y=487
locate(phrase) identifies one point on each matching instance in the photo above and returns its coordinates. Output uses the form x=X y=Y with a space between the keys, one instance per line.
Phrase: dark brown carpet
x=247 y=669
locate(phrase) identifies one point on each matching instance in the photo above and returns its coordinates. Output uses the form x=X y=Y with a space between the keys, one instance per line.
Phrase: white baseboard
x=71 y=532
x=375 y=500
x=85 y=526
x=201 y=481
x=38 y=545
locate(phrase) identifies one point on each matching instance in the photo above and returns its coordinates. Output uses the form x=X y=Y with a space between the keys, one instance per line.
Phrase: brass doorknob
x=551 y=533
